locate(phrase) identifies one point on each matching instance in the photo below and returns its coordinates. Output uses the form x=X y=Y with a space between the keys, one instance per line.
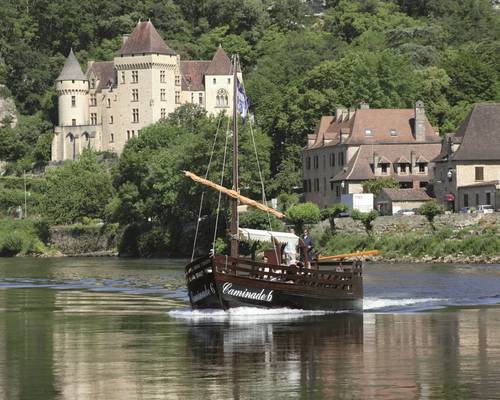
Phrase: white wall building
x=145 y=82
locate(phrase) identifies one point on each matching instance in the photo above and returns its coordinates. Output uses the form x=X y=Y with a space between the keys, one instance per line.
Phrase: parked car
x=485 y=209
x=405 y=211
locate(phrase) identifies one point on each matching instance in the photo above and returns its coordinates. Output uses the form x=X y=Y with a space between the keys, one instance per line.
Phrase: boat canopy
x=267 y=236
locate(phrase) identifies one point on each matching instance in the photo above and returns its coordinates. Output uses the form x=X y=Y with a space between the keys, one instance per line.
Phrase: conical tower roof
x=71 y=70
x=220 y=64
x=145 y=39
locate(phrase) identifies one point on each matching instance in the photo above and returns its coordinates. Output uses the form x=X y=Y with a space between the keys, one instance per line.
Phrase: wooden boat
x=227 y=281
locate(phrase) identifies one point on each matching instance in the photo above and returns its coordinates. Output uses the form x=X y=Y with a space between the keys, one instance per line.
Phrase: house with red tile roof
x=362 y=144
x=112 y=101
x=467 y=170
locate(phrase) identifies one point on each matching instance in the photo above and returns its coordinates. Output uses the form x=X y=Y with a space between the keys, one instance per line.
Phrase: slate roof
x=220 y=64
x=480 y=133
x=359 y=167
x=71 y=70
x=145 y=40
x=105 y=72
x=193 y=73
x=379 y=121
x=405 y=194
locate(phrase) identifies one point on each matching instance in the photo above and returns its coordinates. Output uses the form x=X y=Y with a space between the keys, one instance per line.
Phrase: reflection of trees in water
x=295 y=352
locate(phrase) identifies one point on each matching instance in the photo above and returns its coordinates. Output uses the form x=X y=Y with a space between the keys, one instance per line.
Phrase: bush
x=11 y=244
x=303 y=214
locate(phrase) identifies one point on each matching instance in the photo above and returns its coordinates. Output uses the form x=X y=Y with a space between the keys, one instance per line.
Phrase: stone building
x=358 y=145
x=390 y=201
x=467 y=171
x=110 y=103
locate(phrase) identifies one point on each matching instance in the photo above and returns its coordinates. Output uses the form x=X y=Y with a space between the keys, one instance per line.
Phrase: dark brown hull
x=223 y=283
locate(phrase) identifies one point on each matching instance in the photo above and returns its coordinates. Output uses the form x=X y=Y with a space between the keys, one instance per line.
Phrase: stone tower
x=72 y=87
x=420 y=121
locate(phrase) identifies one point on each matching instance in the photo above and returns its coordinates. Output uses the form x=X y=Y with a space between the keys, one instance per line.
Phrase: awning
x=449 y=197
x=258 y=235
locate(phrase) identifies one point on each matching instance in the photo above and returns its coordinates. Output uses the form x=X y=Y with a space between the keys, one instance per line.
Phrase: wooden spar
x=234 y=203
x=234 y=195
x=347 y=255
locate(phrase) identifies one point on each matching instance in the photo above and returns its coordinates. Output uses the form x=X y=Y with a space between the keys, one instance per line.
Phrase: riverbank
x=456 y=238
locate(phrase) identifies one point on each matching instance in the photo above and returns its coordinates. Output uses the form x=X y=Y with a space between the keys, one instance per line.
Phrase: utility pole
x=25 y=197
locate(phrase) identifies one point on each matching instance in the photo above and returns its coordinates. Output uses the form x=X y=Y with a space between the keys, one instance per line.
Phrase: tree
x=333 y=212
x=430 y=210
x=303 y=214
x=365 y=218
x=78 y=189
x=375 y=186
x=256 y=219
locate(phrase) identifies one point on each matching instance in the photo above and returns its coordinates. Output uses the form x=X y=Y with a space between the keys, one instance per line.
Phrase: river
x=111 y=329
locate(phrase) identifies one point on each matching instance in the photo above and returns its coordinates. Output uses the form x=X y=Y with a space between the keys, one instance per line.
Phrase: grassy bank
x=22 y=237
x=473 y=243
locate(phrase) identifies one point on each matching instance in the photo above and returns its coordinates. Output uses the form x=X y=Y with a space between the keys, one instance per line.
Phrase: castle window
x=215 y=81
x=479 y=173
x=332 y=159
x=93 y=118
x=93 y=100
x=128 y=135
x=177 y=80
x=229 y=81
x=162 y=94
x=135 y=115
x=73 y=101
x=73 y=122
x=135 y=94
x=222 y=99
x=477 y=199
x=109 y=103
x=177 y=97
x=112 y=138
x=341 y=159
x=316 y=162
x=162 y=76
x=123 y=76
x=163 y=113
x=111 y=119
x=200 y=98
x=135 y=76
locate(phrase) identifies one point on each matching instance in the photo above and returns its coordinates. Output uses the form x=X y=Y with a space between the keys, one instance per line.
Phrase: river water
x=122 y=329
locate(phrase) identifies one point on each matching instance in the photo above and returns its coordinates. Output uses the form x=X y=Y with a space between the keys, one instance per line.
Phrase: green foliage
x=375 y=186
x=257 y=219
x=152 y=191
x=287 y=200
x=22 y=237
x=303 y=214
x=333 y=212
x=430 y=210
x=76 y=190
x=365 y=218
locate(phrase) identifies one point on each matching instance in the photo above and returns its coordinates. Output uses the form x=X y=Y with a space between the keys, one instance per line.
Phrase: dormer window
x=421 y=168
x=393 y=132
x=403 y=168
x=368 y=132
x=384 y=167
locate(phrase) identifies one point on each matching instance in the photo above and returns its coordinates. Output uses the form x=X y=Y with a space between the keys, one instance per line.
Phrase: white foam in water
x=373 y=303
x=244 y=314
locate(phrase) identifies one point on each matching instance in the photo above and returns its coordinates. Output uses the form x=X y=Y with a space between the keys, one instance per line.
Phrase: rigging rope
x=203 y=193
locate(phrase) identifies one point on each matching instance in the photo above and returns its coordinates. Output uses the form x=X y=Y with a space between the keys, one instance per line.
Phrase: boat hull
x=217 y=288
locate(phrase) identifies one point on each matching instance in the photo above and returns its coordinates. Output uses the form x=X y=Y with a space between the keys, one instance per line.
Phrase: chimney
x=125 y=38
x=364 y=105
x=413 y=160
x=340 y=113
x=376 y=161
x=420 y=121
x=90 y=63
x=352 y=111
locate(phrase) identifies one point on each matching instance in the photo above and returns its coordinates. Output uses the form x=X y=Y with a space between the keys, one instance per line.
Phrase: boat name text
x=263 y=295
x=205 y=292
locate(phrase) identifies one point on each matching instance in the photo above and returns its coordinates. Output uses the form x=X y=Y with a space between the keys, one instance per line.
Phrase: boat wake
x=249 y=315
x=373 y=304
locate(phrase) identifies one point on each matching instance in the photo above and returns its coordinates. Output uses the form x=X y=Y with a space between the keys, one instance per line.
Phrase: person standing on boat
x=290 y=251
x=307 y=248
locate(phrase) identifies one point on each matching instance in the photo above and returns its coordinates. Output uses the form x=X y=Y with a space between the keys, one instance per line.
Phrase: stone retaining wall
x=83 y=240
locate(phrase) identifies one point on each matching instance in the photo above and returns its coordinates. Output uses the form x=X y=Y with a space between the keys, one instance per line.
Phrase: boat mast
x=234 y=202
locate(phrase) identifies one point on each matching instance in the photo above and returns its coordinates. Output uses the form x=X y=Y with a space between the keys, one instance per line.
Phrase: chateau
x=146 y=81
